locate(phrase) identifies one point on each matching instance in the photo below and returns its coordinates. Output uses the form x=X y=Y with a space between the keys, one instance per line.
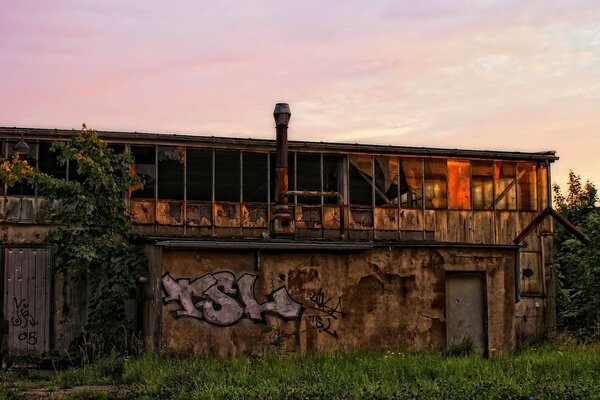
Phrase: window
x=171 y=166
x=145 y=168
x=23 y=188
x=435 y=183
x=199 y=171
x=459 y=185
x=505 y=179
x=482 y=173
x=227 y=175
x=308 y=176
x=527 y=183
x=411 y=183
x=543 y=186
x=386 y=181
x=333 y=176
x=361 y=179
x=255 y=177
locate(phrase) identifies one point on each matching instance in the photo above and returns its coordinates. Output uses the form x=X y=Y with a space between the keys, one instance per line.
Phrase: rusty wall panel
x=532 y=275
x=360 y=218
x=254 y=216
x=441 y=225
x=331 y=217
x=386 y=218
x=378 y=299
x=169 y=212
x=483 y=227
x=199 y=214
x=227 y=215
x=27 y=279
x=412 y=220
x=460 y=226
x=308 y=217
x=507 y=226
x=143 y=211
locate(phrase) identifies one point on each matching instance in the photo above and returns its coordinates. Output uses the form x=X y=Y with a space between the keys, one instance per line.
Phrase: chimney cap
x=282 y=114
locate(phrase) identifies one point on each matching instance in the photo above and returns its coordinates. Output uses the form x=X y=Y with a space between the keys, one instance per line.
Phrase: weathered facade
x=376 y=247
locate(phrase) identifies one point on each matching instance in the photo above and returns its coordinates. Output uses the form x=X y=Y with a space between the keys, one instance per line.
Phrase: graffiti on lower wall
x=325 y=313
x=219 y=299
x=24 y=320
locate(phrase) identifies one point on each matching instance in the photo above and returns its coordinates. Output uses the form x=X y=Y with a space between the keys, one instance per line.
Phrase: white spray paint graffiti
x=219 y=299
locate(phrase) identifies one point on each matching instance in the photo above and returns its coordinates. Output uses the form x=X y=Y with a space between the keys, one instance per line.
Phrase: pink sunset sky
x=514 y=75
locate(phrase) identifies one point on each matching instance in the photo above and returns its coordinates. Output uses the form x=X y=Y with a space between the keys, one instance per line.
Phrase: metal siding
x=26 y=299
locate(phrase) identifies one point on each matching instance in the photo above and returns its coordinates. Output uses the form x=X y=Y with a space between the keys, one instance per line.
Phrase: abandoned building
x=308 y=246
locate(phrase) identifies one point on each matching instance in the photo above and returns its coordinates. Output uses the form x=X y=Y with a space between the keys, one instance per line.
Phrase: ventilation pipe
x=283 y=224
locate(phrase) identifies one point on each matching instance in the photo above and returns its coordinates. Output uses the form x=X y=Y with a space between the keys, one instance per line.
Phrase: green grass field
x=545 y=372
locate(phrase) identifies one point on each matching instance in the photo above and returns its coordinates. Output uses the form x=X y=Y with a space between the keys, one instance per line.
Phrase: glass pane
x=411 y=183
x=386 y=181
x=291 y=176
x=527 y=184
x=543 y=186
x=482 y=173
x=309 y=176
x=255 y=177
x=435 y=183
x=171 y=164
x=199 y=174
x=227 y=175
x=145 y=168
x=333 y=176
x=459 y=185
x=24 y=188
x=505 y=179
x=361 y=179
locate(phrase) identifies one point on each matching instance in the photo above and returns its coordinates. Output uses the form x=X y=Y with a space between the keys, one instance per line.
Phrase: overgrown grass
x=546 y=372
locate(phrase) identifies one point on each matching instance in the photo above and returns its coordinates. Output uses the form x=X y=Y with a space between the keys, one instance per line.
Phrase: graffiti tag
x=219 y=299
x=322 y=320
x=22 y=319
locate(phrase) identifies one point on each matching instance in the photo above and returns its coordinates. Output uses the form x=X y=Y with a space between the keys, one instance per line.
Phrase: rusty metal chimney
x=282 y=221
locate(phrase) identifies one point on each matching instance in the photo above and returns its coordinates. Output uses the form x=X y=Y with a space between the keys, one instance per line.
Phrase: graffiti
x=219 y=299
x=325 y=313
x=23 y=319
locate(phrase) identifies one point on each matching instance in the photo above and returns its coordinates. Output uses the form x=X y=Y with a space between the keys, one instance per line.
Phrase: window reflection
x=482 y=173
x=386 y=181
x=505 y=182
x=435 y=184
x=411 y=183
x=360 y=179
x=459 y=185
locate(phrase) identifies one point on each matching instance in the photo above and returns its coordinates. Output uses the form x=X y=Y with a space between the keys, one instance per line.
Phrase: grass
x=545 y=372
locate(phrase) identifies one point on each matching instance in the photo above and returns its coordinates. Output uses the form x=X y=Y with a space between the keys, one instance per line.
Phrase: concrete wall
x=385 y=298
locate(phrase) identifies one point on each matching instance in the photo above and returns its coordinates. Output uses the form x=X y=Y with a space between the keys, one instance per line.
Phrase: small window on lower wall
x=386 y=181
x=361 y=179
x=171 y=166
x=411 y=183
x=482 y=177
x=459 y=185
x=145 y=168
x=435 y=184
x=333 y=176
x=227 y=175
x=527 y=186
x=505 y=185
x=255 y=177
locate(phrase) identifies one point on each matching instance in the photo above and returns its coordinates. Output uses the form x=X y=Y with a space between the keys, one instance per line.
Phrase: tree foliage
x=577 y=264
x=93 y=223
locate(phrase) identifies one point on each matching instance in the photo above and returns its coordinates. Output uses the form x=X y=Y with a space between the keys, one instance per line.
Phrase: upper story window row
x=206 y=174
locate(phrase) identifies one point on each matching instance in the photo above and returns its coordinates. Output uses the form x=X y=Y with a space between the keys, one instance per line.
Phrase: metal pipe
x=317 y=193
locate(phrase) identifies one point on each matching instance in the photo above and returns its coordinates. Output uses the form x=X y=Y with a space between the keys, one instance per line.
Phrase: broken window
x=527 y=183
x=360 y=179
x=22 y=188
x=227 y=175
x=411 y=183
x=333 y=176
x=435 y=183
x=386 y=181
x=255 y=177
x=145 y=168
x=171 y=166
x=308 y=176
x=482 y=174
x=199 y=171
x=459 y=185
x=291 y=175
x=505 y=185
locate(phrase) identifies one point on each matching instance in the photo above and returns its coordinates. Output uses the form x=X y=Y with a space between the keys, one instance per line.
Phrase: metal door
x=26 y=300
x=466 y=311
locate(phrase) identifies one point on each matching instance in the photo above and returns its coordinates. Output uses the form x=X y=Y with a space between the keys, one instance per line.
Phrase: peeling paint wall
x=376 y=299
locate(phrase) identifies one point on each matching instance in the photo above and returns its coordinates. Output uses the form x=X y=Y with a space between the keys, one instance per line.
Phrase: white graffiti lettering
x=219 y=299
